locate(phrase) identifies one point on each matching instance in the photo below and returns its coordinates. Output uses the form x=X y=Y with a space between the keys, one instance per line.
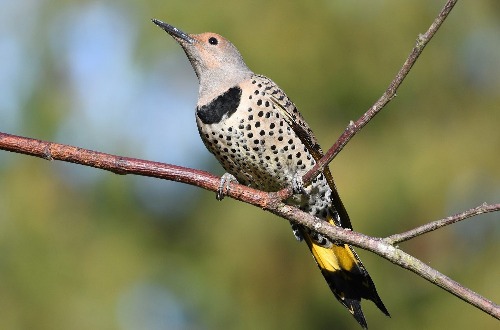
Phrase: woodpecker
x=259 y=137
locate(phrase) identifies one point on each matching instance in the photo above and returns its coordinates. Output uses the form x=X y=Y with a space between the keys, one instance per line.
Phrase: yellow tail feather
x=346 y=277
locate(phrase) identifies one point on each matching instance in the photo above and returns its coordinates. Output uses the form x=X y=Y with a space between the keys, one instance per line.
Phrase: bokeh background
x=82 y=248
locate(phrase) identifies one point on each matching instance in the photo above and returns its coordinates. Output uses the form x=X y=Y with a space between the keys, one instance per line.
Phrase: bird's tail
x=340 y=265
x=346 y=276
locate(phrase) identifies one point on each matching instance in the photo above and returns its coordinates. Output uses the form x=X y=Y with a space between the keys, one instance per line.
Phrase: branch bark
x=271 y=202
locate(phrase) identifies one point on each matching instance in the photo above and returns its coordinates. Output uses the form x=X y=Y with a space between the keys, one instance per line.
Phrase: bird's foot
x=298 y=185
x=297 y=233
x=224 y=185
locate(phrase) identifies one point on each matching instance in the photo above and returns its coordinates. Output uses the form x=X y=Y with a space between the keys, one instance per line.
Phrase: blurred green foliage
x=87 y=250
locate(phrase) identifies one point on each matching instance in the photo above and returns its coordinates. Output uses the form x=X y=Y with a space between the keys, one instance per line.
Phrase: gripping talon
x=298 y=185
x=224 y=186
x=297 y=233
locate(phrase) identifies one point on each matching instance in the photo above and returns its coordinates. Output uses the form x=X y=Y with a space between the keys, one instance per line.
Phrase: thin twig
x=354 y=127
x=398 y=238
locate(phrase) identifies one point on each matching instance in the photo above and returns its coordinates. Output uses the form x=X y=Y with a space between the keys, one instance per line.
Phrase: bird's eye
x=213 y=41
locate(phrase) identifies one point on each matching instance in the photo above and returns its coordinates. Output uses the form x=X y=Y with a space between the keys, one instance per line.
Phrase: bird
x=261 y=140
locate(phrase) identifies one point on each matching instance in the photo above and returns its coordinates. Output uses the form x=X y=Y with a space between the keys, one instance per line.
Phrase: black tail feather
x=349 y=287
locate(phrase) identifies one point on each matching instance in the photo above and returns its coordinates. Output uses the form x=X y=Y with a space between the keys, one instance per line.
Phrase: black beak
x=174 y=32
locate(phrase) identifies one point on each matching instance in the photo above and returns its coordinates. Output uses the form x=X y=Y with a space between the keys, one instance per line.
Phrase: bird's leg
x=224 y=185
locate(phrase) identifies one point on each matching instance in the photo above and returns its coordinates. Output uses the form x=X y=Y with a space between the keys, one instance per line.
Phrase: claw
x=296 y=232
x=224 y=185
x=298 y=185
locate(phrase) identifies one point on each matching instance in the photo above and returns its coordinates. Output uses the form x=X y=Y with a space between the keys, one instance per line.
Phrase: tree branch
x=484 y=208
x=354 y=127
x=126 y=165
x=393 y=254
x=271 y=202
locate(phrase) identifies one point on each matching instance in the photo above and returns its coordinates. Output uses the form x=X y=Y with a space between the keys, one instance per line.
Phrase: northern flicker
x=260 y=138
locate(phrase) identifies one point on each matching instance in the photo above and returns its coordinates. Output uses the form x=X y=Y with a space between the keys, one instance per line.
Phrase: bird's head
x=216 y=61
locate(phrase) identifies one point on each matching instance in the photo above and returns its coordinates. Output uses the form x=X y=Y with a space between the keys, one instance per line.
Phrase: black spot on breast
x=225 y=104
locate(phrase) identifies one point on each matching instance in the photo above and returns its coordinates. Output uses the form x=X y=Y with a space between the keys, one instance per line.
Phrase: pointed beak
x=174 y=32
